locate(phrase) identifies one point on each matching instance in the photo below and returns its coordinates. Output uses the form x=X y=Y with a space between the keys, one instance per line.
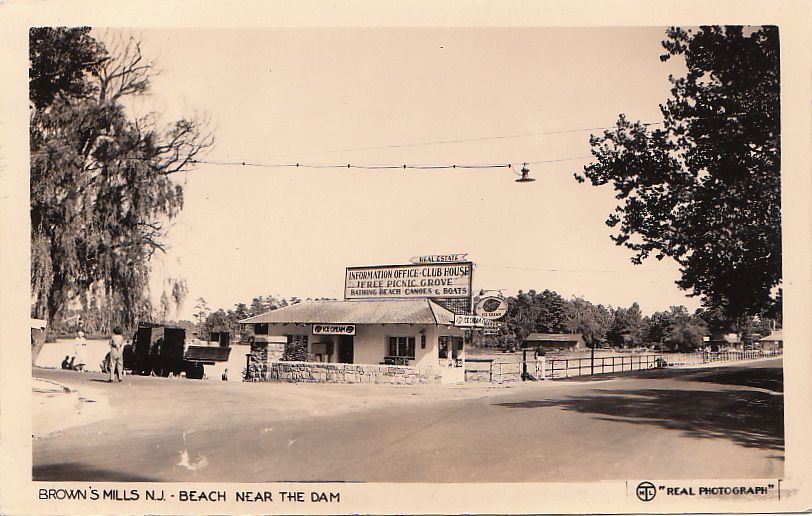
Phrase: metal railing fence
x=556 y=367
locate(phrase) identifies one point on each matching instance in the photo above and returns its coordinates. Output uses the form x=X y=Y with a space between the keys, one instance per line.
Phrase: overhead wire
x=447 y=141
x=497 y=137
x=406 y=166
x=575 y=271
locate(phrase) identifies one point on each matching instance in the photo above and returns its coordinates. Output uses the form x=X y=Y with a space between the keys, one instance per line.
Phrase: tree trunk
x=37 y=342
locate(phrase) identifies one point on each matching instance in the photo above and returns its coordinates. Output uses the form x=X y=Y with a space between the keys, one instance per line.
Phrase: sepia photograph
x=342 y=257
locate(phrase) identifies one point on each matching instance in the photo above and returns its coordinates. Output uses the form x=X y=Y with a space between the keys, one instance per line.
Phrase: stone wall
x=319 y=372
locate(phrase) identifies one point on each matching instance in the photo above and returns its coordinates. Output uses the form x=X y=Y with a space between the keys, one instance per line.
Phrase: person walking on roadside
x=80 y=351
x=116 y=355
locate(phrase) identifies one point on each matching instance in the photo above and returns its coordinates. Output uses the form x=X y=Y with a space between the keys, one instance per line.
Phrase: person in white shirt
x=79 y=351
x=116 y=355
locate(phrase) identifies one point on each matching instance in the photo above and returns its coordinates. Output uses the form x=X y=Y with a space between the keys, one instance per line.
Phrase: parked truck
x=161 y=350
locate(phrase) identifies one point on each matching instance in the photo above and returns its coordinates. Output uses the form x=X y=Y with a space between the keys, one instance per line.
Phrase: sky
x=380 y=96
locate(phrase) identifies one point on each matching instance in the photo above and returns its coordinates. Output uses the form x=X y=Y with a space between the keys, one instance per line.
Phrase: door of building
x=345 y=349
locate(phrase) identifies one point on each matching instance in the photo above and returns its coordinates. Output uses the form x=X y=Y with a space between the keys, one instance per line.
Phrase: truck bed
x=207 y=353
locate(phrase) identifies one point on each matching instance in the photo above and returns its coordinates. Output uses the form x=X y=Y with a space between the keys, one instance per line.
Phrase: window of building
x=322 y=351
x=261 y=329
x=448 y=343
x=401 y=347
x=295 y=348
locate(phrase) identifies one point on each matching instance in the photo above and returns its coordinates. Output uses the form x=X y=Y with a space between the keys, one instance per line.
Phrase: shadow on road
x=749 y=418
x=770 y=378
x=77 y=471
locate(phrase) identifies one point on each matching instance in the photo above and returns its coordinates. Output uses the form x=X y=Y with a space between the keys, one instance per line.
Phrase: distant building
x=554 y=341
x=772 y=342
x=726 y=341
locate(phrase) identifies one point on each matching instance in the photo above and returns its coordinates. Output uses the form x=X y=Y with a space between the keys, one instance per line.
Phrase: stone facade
x=320 y=372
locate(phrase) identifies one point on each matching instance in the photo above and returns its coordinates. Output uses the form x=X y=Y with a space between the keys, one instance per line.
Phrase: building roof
x=776 y=335
x=395 y=311
x=557 y=337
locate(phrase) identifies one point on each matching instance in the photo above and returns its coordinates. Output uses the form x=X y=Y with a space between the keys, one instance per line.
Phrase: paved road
x=714 y=423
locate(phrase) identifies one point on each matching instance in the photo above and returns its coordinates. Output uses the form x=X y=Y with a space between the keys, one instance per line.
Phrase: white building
x=416 y=335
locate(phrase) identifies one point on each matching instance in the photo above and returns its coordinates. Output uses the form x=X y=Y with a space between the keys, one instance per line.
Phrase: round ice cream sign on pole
x=491 y=307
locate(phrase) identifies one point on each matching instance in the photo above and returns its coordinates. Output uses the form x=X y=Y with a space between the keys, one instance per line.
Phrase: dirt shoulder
x=145 y=401
x=57 y=407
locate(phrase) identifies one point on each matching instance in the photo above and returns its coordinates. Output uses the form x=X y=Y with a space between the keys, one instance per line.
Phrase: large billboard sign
x=438 y=280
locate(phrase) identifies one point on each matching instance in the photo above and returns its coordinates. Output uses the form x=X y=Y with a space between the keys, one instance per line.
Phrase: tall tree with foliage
x=530 y=312
x=521 y=314
x=101 y=180
x=686 y=330
x=627 y=326
x=590 y=321
x=656 y=328
x=552 y=312
x=704 y=189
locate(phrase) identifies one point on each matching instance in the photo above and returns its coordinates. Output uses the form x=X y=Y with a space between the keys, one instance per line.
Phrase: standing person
x=116 y=354
x=224 y=376
x=539 y=357
x=80 y=351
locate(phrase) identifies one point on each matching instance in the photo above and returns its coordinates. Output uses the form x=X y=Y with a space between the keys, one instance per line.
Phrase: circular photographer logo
x=646 y=491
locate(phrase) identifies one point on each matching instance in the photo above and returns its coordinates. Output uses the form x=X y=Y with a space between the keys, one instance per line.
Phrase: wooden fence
x=707 y=357
x=556 y=367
